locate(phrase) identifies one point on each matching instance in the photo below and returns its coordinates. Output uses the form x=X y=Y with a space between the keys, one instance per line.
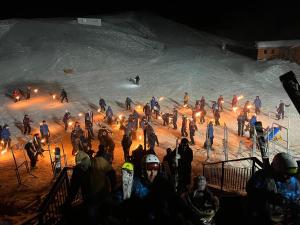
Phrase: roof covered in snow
x=276 y=44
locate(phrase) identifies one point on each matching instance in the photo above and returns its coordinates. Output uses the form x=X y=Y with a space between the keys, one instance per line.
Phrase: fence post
x=222 y=178
x=225 y=142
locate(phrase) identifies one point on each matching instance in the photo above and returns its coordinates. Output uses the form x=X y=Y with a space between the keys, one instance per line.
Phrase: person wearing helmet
x=274 y=188
x=201 y=200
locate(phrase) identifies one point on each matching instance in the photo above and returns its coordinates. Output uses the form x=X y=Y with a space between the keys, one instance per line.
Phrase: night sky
x=243 y=20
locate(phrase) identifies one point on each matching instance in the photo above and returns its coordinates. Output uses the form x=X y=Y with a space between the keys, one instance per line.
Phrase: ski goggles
x=152 y=166
x=292 y=171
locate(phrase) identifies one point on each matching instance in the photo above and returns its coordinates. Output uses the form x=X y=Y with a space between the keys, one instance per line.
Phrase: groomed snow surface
x=170 y=58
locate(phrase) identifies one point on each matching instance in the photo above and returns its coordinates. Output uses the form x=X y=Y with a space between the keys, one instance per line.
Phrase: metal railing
x=50 y=209
x=226 y=176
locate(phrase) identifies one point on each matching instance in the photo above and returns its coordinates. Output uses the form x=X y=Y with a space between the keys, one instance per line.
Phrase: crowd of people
x=152 y=191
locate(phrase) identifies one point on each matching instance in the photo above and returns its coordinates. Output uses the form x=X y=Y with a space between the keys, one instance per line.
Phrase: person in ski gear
x=210 y=134
x=184 y=165
x=165 y=117
x=152 y=139
x=28 y=92
x=156 y=109
x=45 y=132
x=31 y=153
x=109 y=145
x=257 y=104
x=214 y=107
x=186 y=99
x=89 y=116
x=202 y=103
x=109 y=115
x=102 y=104
x=5 y=136
x=37 y=143
x=175 y=117
x=275 y=190
x=128 y=102
x=26 y=124
x=63 y=96
x=126 y=143
x=137 y=80
x=252 y=125
x=247 y=106
x=202 y=201
x=217 y=117
x=147 y=111
x=202 y=116
x=135 y=117
x=234 y=101
x=241 y=123
x=220 y=103
x=152 y=103
x=184 y=126
x=193 y=128
x=281 y=110
x=66 y=118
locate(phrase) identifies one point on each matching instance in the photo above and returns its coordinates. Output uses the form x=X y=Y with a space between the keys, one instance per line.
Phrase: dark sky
x=242 y=20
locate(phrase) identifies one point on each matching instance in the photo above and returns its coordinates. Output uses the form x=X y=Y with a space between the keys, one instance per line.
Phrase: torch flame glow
x=198 y=114
x=79 y=114
x=120 y=116
x=160 y=99
x=234 y=109
x=159 y=117
x=54 y=96
x=222 y=101
x=240 y=97
x=249 y=106
x=3 y=151
x=43 y=140
x=36 y=90
x=184 y=106
x=140 y=137
x=18 y=97
x=70 y=123
x=99 y=110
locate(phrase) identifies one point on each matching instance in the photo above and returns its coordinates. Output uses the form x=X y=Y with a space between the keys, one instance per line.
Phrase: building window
x=265 y=51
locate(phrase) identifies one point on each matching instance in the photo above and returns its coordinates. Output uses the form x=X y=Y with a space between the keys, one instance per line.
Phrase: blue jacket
x=257 y=103
x=102 y=102
x=109 y=112
x=152 y=102
x=5 y=134
x=210 y=131
x=252 y=120
x=44 y=129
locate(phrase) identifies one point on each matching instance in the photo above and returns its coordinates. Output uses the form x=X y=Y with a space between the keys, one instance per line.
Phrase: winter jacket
x=5 y=134
x=44 y=129
x=102 y=102
x=210 y=131
x=257 y=103
x=109 y=112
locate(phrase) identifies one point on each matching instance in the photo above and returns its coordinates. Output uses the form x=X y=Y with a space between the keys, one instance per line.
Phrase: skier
x=31 y=153
x=175 y=117
x=202 y=103
x=156 y=109
x=66 y=118
x=241 y=123
x=109 y=115
x=202 y=116
x=102 y=104
x=37 y=144
x=193 y=128
x=220 y=103
x=214 y=107
x=186 y=99
x=234 y=101
x=126 y=143
x=137 y=80
x=184 y=126
x=257 y=104
x=5 y=136
x=28 y=92
x=89 y=128
x=252 y=125
x=281 y=110
x=147 y=111
x=45 y=132
x=152 y=138
x=217 y=117
x=165 y=118
x=90 y=116
x=63 y=96
x=128 y=102
x=26 y=124
x=152 y=103
x=210 y=134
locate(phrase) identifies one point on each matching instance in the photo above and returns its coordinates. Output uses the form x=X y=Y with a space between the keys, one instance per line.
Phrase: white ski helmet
x=150 y=158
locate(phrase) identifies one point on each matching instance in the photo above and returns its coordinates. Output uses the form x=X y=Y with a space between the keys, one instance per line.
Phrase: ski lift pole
x=225 y=142
x=254 y=142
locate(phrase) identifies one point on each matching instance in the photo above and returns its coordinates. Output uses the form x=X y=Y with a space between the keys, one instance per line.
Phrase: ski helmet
x=152 y=162
x=128 y=166
x=284 y=164
x=184 y=141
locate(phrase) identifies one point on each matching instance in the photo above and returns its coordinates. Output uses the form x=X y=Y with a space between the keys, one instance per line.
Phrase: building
x=284 y=49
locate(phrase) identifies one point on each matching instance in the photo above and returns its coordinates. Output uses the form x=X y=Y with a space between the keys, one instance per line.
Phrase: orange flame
x=240 y=97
